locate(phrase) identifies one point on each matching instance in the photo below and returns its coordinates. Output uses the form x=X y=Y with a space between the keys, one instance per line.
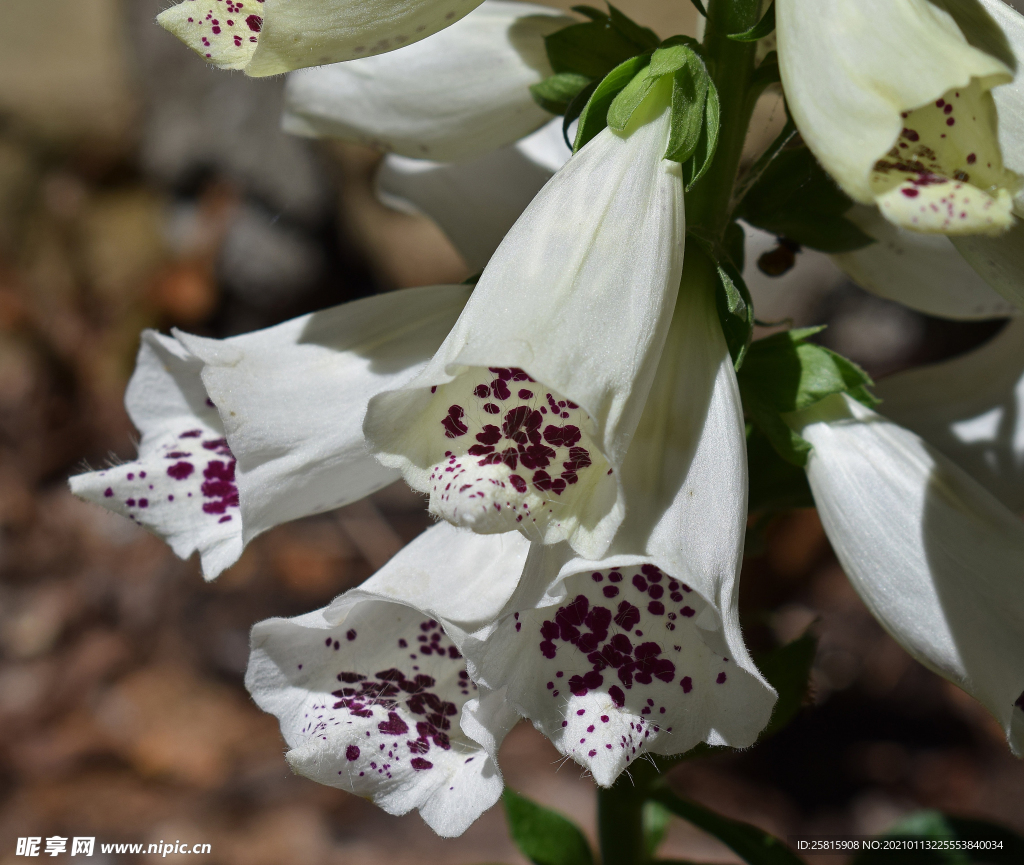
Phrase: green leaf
x=785 y=373
x=764 y=27
x=735 y=311
x=543 y=836
x=690 y=85
x=591 y=13
x=594 y=117
x=788 y=670
x=774 y=484
x=697 y=165
x=556 y=92
x=593 y=48
x=753 y=845
x=766 y=73
x=628 y=100
x=643 y=37
x=700 y=7
x=656 y=818
x=793 y=197
x=935 y=825
x=789 y=373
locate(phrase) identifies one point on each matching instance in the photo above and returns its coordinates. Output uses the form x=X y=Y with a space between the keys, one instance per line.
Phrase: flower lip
x=890 y=123
x=547 y=298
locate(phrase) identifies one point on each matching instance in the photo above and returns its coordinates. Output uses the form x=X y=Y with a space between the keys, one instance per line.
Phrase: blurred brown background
x=139 y=188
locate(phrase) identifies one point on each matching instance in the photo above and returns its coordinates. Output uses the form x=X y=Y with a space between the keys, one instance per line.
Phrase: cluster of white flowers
x=575 y=418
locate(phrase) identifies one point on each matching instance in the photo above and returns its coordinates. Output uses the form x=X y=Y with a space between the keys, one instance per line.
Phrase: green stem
x=620 y=816
x=731 y=65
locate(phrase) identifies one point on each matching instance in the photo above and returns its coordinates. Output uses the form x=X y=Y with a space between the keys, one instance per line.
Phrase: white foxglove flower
x=268 y=37
x=241 y=434
x=523 y=417
x=1001 y=259
x=896 y=105
x=455 y=96
x=641 y=650
x=476 y=203
x=936 y=558
x=971 y=408
x=372 y=693
x=922 y=271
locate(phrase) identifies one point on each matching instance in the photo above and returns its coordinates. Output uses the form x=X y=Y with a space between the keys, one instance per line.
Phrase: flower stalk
x=731 y=64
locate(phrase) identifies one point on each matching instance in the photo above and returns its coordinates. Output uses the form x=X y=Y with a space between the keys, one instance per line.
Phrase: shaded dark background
x=139 y=188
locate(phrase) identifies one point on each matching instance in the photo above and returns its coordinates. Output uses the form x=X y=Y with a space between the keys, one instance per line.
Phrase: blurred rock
x=265 y=263
x=169 y=723
x=64 y=73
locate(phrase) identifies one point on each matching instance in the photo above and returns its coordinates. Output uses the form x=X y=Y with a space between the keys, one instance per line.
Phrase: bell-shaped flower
x=895 y=102
x=475 y=203
x=971 y=408
x=1000 y=260
x=239 y=435
x=455 y=96
x=641 y=650
x=268 y=37
x=523 y=417
x=936 y=558
x=925 y=272
x=372 y=693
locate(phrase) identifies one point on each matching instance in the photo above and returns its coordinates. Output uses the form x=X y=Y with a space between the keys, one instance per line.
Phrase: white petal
x=938 y=561
x=922 y=271
x=458 y=577
x=455 y=96
x=347 y=682
x=895 y=104
x=275 y=36
x=476 y=203
x=291 y=401
x=642 y=650
x=1000 y=260
x=182 y=485
x=972 y=409
x=570 y=315
x=293 y=397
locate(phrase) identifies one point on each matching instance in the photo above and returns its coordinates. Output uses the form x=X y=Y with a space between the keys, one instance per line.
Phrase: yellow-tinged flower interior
x=945 y=173
x=224 y=32
x=516 y=455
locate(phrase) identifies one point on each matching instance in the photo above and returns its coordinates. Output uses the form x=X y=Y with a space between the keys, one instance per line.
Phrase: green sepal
x=575 y=108
x=690 y=83
x=788 y=669
x=556 y=92
x=790 y=195
x=594 y=116
x=764 y=27
x=544 y=836
x=753 y=845
x=934 y=825
x=700 y=7
x=593 y=48
x=697 y=165
x=785 y=373
x=628 y=100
